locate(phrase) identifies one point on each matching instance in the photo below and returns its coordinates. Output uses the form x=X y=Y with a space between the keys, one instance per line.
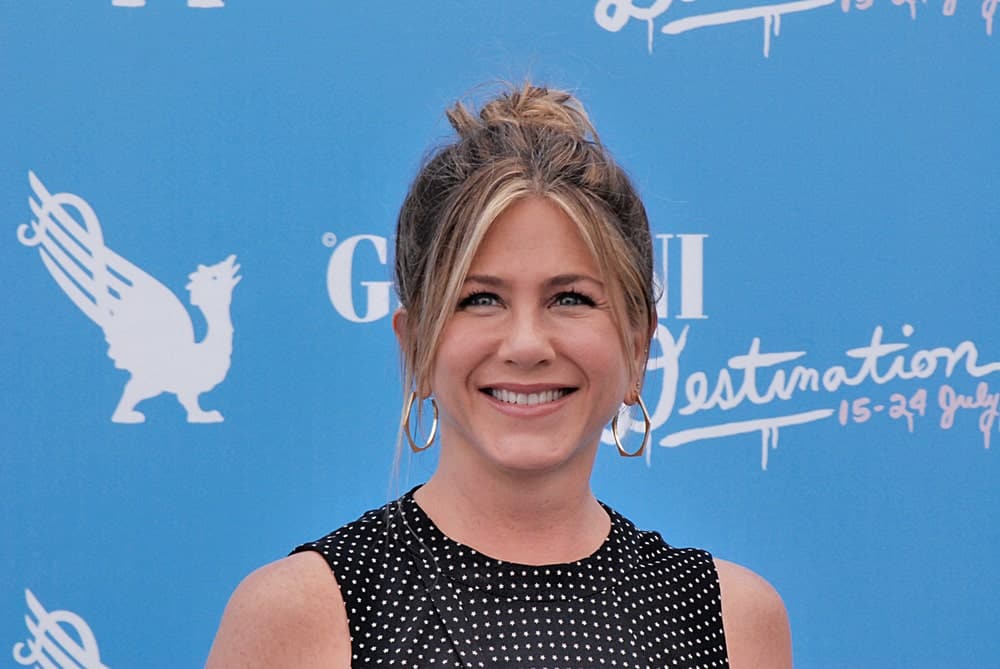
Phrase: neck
x=547 y=518
x=220 y=325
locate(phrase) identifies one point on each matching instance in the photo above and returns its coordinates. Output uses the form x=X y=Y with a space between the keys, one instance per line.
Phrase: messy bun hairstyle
x=527 y=141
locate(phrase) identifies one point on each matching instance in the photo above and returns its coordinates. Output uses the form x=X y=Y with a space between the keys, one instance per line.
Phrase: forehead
x=533 y=234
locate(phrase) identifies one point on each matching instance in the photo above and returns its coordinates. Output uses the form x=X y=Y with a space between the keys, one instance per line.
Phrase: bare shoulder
x=288 y=613
x=754 y=619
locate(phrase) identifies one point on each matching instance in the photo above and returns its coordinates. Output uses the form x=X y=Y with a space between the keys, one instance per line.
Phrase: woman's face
x=530 y=367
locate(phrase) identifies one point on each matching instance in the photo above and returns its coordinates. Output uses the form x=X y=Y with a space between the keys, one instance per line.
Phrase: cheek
x=460 y=351
x=606 y=361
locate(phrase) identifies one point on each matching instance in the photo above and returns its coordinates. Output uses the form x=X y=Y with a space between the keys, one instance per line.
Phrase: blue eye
x=479 y=299
x=573 y=298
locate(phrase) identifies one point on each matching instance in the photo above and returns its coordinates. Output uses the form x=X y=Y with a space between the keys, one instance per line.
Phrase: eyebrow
x=558 y=281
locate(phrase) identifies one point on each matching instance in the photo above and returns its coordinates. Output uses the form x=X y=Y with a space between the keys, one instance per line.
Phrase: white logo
x=342 y=286
x=761 y=378
x=51 y=646
x=148 y=330
x=613 y=15
x=340 y=274
x=199 y=4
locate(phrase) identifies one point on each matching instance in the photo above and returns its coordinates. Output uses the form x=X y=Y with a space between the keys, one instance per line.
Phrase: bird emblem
x=148 y=330
x=60 y=640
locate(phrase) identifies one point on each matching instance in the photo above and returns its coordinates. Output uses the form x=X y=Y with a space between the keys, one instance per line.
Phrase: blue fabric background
x=847 y=181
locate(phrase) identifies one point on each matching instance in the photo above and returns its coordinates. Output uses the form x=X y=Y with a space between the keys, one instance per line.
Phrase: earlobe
x=640 y=363
x=632 y=396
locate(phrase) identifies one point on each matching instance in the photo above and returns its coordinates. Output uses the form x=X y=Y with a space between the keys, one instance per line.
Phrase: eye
x=479 y=299
x=572 y=298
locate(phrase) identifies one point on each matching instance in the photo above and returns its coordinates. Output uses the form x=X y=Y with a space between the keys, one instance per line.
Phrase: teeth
x=529 y=399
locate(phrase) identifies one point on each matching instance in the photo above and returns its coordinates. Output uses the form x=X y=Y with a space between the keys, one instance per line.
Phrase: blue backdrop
x=823 y=181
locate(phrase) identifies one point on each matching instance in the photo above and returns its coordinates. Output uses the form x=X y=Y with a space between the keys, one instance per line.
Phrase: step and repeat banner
x=197 y=202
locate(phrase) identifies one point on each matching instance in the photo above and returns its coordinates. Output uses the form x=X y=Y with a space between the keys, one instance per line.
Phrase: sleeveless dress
x=416 y=598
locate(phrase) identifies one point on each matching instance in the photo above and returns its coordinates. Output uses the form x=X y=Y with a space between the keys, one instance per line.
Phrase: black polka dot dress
x=415 y=598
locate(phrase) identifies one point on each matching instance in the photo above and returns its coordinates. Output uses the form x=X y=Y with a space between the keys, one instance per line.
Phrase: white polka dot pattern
x=415 y=598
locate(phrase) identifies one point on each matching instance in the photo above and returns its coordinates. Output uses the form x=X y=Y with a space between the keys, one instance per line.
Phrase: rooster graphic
x=148 y=331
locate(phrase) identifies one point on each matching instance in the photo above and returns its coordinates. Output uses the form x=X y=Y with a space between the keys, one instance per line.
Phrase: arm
x=286 y=614
x=754 y=620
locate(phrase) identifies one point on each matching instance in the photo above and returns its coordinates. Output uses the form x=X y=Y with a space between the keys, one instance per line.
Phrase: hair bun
x=527 y=105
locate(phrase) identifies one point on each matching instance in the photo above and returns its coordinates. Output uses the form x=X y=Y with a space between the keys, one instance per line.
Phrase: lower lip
x=527 y=410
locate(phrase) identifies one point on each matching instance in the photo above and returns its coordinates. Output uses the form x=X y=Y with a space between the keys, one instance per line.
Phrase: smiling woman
x=524 y=266
x=524 y=377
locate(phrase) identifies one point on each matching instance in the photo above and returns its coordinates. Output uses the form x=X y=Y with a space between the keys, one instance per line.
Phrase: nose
x=526 y=342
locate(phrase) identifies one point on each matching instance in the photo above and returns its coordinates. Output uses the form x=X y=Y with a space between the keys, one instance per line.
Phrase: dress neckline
x=466 y=567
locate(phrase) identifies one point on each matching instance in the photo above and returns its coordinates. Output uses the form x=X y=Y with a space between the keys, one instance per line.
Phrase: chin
x=533 y=456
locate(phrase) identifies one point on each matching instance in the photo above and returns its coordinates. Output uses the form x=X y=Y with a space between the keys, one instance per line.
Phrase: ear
x=399 y=325
x=640 y=356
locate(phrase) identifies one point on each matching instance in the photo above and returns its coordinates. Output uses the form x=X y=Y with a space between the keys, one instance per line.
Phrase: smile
x=528 y=399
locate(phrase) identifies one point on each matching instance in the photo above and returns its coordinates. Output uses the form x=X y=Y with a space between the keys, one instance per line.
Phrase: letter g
x=339 y=275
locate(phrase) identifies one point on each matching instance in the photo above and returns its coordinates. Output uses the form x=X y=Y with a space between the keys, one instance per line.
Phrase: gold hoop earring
x=645 y=433
x=406 y=425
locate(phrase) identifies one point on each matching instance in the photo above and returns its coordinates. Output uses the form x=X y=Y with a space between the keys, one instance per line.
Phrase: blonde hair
x=526 y=141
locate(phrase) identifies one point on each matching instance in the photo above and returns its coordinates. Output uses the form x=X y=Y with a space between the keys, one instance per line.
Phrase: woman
x=524 y=266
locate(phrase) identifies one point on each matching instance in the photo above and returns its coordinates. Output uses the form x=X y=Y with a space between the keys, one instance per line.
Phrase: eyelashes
x=571 y=298
x=565 y=298
x=479 y=298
